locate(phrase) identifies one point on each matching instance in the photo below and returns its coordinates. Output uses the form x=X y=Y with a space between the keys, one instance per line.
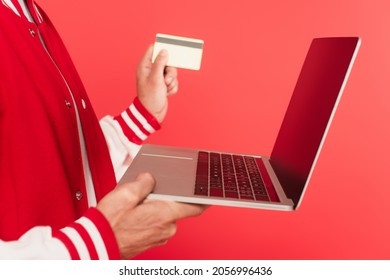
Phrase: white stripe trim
x=78 y=242
x=133 y=126
x=25 y=10
x=10 y=5
x=38 y=14
x=24 y=7
x=5 y=4
x=141 y=119
x=95 y=236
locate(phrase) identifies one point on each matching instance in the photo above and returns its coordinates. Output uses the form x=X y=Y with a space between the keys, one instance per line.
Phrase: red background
x=252 y=57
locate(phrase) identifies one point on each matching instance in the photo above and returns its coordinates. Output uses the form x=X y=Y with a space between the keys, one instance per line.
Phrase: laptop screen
x=311 y=108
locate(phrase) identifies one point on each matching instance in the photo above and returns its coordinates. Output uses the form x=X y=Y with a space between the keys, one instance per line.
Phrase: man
x=59 y=166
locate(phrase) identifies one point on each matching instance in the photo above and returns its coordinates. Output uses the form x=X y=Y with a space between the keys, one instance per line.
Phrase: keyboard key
x=231 y=194
x=248 y=197
x=216 y=192
x=201 y=191
x=262 y=197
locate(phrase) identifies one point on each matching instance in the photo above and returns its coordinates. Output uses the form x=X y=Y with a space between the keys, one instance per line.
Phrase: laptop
x=275 y=182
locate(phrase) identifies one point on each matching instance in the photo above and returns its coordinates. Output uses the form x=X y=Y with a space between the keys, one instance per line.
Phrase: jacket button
x=79 y=195
x=32 y=32
x=67 y=103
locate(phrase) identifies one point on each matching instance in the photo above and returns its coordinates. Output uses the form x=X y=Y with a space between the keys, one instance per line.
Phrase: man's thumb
x=159 y=63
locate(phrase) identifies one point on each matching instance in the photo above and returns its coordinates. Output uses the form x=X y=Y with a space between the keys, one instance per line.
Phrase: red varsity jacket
x=41 y=172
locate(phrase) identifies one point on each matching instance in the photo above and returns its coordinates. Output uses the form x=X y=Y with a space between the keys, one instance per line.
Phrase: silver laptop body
x=286 y=172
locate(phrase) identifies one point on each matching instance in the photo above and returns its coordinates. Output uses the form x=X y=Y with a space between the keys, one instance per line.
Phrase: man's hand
x=139 y=224
x=155 y=82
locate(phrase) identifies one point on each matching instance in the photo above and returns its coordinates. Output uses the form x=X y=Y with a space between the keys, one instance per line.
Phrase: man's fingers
x=185 y=210
x=174 y=211
x=173 y=87
x=170 y=73
x=171 y=80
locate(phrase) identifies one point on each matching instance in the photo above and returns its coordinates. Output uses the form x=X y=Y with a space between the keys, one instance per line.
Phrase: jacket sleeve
x=88 y=238
x=126 y=132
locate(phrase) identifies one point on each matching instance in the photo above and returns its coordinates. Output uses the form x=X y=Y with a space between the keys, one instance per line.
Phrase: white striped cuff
x=137 y=123
x=89 y=238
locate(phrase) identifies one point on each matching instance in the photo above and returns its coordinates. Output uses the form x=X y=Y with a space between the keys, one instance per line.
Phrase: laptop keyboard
x=233 y=176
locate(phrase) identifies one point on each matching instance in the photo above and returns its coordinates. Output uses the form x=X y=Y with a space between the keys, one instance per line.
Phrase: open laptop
x=276 y=182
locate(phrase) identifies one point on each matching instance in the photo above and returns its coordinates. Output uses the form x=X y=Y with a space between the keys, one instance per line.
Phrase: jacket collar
x=20 y=11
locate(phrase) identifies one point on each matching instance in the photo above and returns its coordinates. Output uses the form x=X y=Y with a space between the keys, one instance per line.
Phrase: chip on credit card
x=183 y=52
